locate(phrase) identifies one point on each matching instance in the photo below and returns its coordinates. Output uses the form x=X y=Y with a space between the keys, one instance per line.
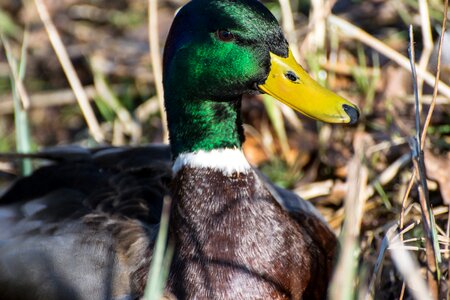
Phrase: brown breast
x=234 y=241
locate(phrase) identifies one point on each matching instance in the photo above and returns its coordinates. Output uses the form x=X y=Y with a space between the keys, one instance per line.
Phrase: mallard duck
x=84 y=227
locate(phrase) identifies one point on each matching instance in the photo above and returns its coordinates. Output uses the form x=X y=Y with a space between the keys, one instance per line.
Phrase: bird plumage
x=88 y=222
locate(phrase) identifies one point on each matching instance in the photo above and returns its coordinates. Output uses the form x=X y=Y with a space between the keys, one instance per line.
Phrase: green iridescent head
x=221 y=48
x=216 y=51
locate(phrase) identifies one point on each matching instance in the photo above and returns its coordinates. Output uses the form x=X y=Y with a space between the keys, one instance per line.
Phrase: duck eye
x=292 y=76
x=224 y=35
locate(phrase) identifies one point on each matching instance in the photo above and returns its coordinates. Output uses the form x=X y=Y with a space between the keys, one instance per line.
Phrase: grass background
x=361 y=178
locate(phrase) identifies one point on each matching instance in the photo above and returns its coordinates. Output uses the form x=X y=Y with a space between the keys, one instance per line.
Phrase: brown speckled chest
x=234 y=241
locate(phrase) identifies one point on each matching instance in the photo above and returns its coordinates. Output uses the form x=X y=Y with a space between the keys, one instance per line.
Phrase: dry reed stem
x=319 y=12
x=46 y=99
x=379 y=263
x=339 y=216
x=149 y=107
x=385 y=145
x=404 y=263
x=291 y=116
x=69 y=70
x=431 y=255
x=388 y=174
x=432 y=248
x=426 y=99
x=325 y=188
x=342 y=284
x=426 y=39
x=156 y=62
x=402 y=292
x=405 y=198
x=384 y=178
x=128 y=124
x=289 y=30
x=20 y=87
x=345 y=69
x=277 y=108
x=315 y=189
x=118 y=138
x=430 y=111
x=422 y=138
x=318 y=25
x=437 y=82
x=409 y=269
x=289 y=27
x=355 y=32
x=447 y=248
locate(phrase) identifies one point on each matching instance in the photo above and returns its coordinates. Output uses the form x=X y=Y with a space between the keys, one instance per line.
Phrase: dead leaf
x=438 y=169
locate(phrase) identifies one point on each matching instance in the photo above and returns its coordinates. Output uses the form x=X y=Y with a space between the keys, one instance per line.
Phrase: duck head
x=218 y=50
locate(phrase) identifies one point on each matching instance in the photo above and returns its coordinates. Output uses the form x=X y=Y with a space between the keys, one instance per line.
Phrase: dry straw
x=69 y=70
x=156 y=62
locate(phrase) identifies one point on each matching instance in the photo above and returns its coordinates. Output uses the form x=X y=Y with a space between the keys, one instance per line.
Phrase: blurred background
x=357 y=48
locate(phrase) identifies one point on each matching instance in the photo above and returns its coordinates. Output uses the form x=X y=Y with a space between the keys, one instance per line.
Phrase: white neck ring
x=229 y=161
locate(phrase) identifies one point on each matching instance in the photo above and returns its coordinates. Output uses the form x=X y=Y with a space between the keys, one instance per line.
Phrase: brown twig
x=69 y=70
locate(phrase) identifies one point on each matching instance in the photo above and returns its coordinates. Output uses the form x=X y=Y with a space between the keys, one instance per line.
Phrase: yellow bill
x=289 y=83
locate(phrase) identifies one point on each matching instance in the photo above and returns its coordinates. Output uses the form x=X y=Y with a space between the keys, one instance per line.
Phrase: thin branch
x=69 y=70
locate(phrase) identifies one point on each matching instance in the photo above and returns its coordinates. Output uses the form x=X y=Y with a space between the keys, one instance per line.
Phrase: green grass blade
x=276 y=118
x=8 y=26
x=162 y=256
x=24 y=134
x=23 y=137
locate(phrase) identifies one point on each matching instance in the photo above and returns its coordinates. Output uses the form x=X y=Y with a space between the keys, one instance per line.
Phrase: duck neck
x=199 y=124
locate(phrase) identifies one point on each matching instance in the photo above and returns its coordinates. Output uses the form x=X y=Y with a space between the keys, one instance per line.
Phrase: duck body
x=243 y=244
x=84 y=228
